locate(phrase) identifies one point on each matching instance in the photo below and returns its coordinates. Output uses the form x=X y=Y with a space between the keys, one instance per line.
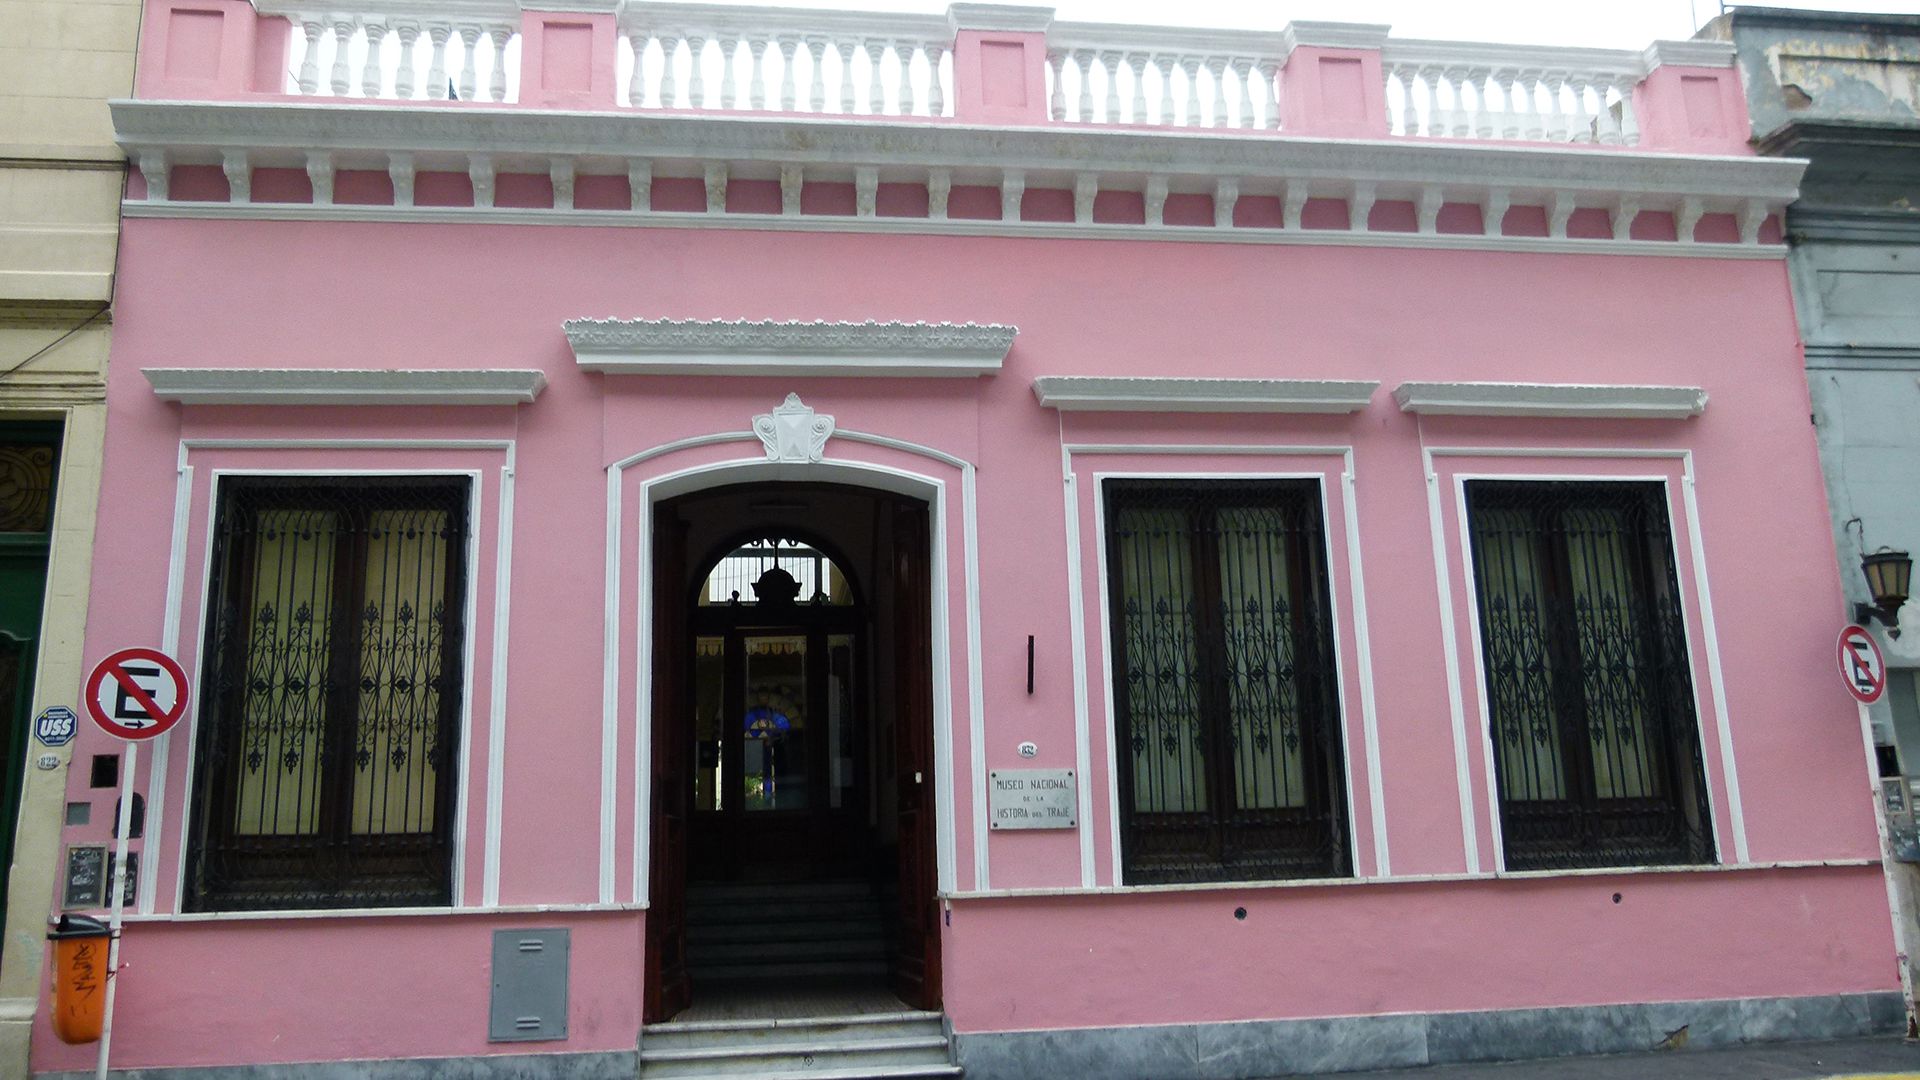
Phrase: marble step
x=699 y=933
x=871 y=947
x=761 y=971
x=803 y=1053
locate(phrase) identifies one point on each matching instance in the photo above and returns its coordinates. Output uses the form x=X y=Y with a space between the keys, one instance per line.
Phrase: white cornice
x=727 y=347
x=1718 y=54
x=1006 y=18
x=342 y=386
x=1091 y=393
x=1566 y=400
x=1333 y=35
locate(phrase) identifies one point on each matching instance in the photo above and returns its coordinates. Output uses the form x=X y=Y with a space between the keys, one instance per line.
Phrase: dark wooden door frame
x=915 y=971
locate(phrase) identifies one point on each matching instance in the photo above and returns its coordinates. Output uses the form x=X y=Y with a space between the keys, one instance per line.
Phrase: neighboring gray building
x=1843 y=91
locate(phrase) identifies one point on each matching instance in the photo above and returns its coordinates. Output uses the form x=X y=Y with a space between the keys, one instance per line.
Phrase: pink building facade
x=1309 y=551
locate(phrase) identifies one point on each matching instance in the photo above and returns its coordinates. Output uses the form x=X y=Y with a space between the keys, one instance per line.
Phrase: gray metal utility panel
x=529 y=986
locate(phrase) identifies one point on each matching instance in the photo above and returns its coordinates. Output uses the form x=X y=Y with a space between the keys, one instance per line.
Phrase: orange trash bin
x=79 y=977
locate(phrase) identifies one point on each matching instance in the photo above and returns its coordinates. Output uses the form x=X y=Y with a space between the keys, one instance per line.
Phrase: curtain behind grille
x=1162 y=666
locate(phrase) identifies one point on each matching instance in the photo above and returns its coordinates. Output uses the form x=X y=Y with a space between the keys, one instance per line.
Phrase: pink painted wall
x=373 y=295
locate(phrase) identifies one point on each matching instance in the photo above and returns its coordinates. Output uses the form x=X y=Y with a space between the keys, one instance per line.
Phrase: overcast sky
x=1613 y=24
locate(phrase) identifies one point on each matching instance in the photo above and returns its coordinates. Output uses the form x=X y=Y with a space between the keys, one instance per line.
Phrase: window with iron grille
x=1226 y=709
x=330 y=697
x=1584 y=655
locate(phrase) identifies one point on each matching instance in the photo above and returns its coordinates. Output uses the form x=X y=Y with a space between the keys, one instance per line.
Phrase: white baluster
x=1532 y=124
x=1360 y=206
x=310 y=62
x=1409 y=113
x=1483 y=108
x=1752 y=215
x=866 y=190
x=696 y=71
x=669 y=82
x=1686 y=218
x=1560 y=211
x=757 y=83
x=1554 y=124
x=1270 y=92
x=1580 y=122
x=1110 y=62
x=1629 y=122
x=789 y=44
x=499 y=36
x=936 y=95
x=470 y=67
x=370 y=71
x=1624 y=212
x=1137 y=63
x=1086 y=187
x=342 y=71
x=1293 y=204
x=1083 y=62
x=817 y=90
x=939 y=186
x=876 y=86
x=793 y=179
x=909 y=97
x=844 y=49
x=439 y=34
x=155 y=170
x=1226 y=192
x=636 y=82
x=1244 y=69
x=1165 y=65
x=1191 y=65
x=1607 y=123
x=1436 y=119
x=480 y=171
x=1156 y=200
x=1509 y=117
x=1013 y=188
x=1428 y=207
x=1217 y=67
x=239 y=176
x=1460 y=120
x=320 y=175
x=729 y=72
x=1493 y=212
x=560 y=172
x=400 y=171
x=640 y=186
x=408 y=32
x=716 y=178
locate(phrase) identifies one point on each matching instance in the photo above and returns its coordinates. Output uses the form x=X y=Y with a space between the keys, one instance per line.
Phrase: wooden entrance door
x=916 y=965
x=669 y=985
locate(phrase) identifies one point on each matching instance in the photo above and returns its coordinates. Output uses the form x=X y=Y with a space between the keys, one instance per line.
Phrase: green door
x=29 y=455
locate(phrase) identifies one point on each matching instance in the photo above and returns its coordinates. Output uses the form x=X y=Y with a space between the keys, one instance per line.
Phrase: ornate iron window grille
x=331 y=693
x=1225 y=696
x=1584 y=653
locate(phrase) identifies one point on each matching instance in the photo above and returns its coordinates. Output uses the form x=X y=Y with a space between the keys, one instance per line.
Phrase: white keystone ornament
x=793 y=431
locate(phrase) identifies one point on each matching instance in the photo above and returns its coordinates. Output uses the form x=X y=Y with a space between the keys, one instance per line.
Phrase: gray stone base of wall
x=1264 y=1048
x=610 y=1065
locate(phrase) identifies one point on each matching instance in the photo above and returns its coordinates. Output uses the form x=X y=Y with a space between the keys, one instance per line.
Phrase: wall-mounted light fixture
x=1889 y=573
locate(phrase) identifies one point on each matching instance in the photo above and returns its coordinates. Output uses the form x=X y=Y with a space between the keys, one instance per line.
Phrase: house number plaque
x=1032 y=799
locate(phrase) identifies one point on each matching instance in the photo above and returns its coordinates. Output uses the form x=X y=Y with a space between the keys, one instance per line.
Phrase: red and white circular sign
x=1861 y=665
x=136 y=694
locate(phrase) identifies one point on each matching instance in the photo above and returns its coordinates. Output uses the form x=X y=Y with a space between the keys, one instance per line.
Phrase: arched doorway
x=793 y=833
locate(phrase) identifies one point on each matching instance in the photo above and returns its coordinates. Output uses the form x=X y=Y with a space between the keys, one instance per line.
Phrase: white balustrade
x=704 y=56
x=403 y=50
x=1107 y=73
x=1462 y=90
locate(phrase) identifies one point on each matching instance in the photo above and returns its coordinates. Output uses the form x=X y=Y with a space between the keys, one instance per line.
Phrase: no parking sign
x=136 y=694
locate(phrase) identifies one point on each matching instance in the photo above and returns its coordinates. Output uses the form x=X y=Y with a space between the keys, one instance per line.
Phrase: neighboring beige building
x=61 y=178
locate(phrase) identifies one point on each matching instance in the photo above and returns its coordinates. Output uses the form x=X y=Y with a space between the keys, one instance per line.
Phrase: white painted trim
x=1419 y=879
x=348 y=444
x=1082 y=393
x=342 y=386
x=1693 y=53
x=1363 y=644
x=933 y=490
x=1318 y=34
x=976 y=679
x=1894 y=911
x=169 y=644
x=1077 y=651
x=1339 y=672
x=383 y=913
x=1001 y=18
x=666 y=219
x=1715 y=672
x=830 y=349
x=1496 y=825
x=463 y=806
x=1202 y=449
x=610 y=690
x=1562 y=400
x=497 y=689
x=1450 y=654
x=1700 y=693
x=1106 y=678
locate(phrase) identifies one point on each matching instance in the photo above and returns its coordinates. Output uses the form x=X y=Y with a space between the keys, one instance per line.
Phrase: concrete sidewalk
x=1880 y=1058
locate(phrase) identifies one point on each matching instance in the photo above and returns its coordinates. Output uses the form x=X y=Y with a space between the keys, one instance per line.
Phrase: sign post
x=133 y=695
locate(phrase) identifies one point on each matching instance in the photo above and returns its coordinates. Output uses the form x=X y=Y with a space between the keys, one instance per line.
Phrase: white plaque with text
x=1032 y=799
